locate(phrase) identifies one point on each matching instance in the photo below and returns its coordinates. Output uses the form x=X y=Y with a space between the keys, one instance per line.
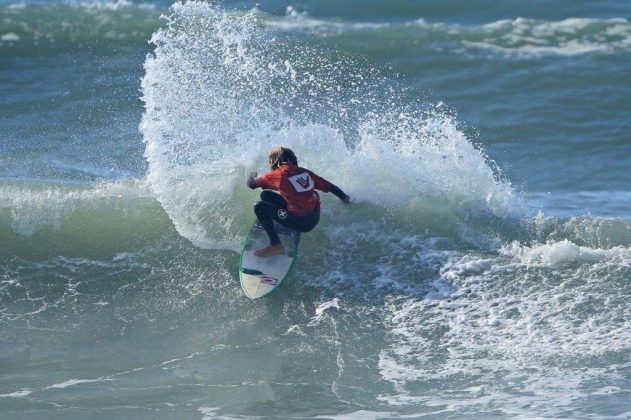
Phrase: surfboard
x=261 y=276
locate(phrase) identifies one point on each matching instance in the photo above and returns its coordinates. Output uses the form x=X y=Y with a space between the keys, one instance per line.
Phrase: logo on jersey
x=282 y=213
x=302 y=182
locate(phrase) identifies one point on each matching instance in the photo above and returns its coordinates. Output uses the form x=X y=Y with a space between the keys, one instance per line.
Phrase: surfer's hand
x=252 y=180
x=340 y=194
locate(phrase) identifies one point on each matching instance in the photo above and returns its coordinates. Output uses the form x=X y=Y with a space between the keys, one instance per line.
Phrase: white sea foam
x=208 y=412
x=370 y=415
x=17 y=394
x=517 y=37
x=530 y=37
x=103 y=4
x=17 y=6
x=567 y=48
x=565 y=251
x=73 y=382
x=10 y=37
x=515 y=323
x=320 y=311
x=301 y=21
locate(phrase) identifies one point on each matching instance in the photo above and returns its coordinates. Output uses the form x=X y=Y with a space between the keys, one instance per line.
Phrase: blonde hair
x=279 y=156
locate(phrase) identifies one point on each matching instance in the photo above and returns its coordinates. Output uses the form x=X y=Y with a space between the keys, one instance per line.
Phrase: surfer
x=296 y=205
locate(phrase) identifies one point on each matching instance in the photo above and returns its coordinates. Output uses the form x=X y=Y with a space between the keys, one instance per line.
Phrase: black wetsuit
x=273 y=207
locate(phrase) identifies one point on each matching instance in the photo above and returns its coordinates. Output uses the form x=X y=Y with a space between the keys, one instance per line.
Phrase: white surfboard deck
x=261 y=276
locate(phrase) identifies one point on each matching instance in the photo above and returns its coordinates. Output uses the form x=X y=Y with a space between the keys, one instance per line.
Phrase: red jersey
x=297 y=186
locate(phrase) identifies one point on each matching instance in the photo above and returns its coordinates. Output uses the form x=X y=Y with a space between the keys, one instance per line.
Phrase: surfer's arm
x=268 y=181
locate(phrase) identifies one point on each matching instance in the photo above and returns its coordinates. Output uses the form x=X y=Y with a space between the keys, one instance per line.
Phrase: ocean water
x=482 y=270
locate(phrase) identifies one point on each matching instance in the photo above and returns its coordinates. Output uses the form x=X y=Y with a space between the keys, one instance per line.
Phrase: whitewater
x=482 y=269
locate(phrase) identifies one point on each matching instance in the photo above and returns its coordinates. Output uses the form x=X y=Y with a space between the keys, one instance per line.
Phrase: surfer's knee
x=258 y=208
x=261 y=209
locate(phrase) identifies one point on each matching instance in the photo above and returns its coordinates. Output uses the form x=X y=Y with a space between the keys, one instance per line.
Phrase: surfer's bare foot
x=270 y=251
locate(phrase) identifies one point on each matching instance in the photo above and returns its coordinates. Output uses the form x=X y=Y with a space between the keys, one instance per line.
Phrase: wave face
x=468 y=277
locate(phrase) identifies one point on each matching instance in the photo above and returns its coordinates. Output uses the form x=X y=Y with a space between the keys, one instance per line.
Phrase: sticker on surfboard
x=261 y=276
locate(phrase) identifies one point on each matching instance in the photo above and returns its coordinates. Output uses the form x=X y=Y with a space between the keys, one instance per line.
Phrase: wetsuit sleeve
x=269 y=181
x=320 y=183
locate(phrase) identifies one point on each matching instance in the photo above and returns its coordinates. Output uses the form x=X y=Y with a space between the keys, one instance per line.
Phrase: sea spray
x=220 y=89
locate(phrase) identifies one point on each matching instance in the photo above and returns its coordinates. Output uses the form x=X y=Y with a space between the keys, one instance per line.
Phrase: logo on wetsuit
x=302 y=182
x=282 y=213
